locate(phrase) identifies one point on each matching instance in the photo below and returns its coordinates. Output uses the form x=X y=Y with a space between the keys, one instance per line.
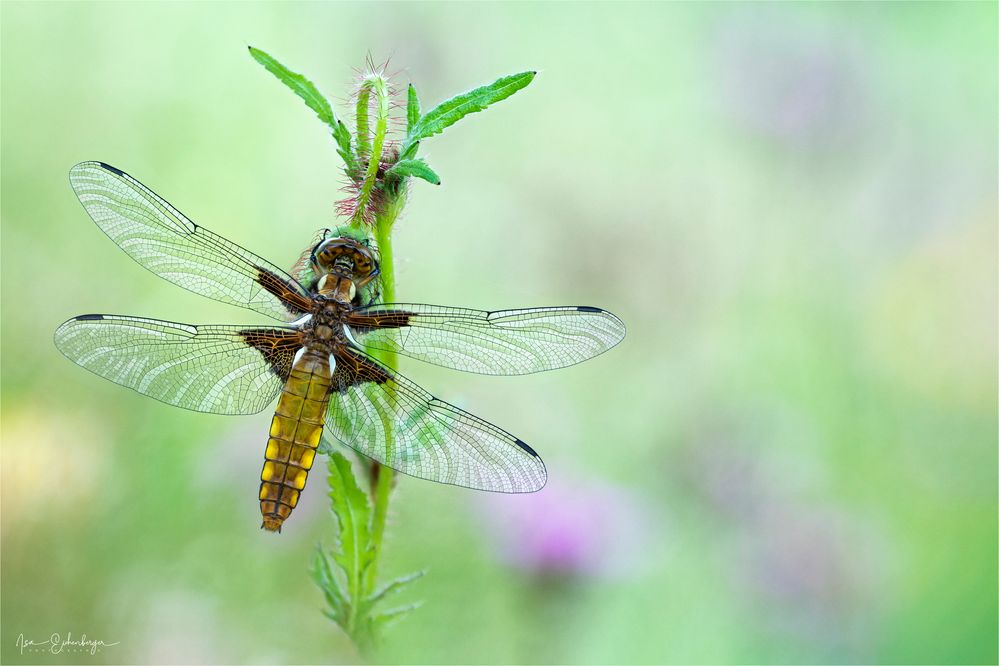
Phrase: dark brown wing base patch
x=354 y=368
x=291 y=298
x=277 y=346
x=362 y=323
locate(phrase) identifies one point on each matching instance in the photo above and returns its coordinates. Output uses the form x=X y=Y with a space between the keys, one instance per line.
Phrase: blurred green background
x=791 y=458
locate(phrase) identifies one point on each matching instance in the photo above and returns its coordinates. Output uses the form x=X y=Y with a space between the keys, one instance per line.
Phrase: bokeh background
x=791 y=458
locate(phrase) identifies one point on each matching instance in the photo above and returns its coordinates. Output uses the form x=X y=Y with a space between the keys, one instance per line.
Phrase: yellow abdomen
x=295 y=431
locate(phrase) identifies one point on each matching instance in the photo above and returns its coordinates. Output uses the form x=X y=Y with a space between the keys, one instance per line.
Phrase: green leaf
x=410 y=152
x=342 y=137
x=300 y=85
x=322 y=573
x=393 y=587
x=393 y=615
x=305 y=89
x=417 y=168
x=448 y=113
x=350 y=504
x=412 y=109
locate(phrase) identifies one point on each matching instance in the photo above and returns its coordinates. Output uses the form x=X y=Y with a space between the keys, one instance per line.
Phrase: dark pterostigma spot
x=110 y=168
x=587 y=308
x=524 y=446
x=90 y=317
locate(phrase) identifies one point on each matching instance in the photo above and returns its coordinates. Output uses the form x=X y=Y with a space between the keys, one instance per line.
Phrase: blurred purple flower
x=571 y=527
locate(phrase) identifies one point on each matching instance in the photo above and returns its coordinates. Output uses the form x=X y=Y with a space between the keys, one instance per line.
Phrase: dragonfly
x=319 y=362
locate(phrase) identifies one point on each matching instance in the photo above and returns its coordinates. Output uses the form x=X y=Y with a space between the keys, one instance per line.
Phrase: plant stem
x=363 y=141
x=385 y=216
x=386 y=475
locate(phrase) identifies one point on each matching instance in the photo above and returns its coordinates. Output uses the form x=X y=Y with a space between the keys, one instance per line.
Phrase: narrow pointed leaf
x=448 y=113
x=394 y=586
x=300 y=85
x=323 y=575
x=305 y=89
x=393 y=615
x=410 y=152
x=342 y=137
x=414 y=167
x=412 y=109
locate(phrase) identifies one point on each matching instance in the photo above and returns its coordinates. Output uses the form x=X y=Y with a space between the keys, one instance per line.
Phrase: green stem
x=386 y=475
x=363 y=140
x=384 y=221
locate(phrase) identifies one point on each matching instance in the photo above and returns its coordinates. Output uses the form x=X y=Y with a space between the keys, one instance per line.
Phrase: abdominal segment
x=295 y=431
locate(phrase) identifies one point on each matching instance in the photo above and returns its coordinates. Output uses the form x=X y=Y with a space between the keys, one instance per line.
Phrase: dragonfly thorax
x=338 y=286
x=325 y=326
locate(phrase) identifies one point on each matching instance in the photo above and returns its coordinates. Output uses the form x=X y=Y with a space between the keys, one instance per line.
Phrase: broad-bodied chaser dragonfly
x=317 y=364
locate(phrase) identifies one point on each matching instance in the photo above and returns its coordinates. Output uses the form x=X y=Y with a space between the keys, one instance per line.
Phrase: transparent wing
x=505 y=342
x=217 y=369
x=162 y=239
x=389 y=418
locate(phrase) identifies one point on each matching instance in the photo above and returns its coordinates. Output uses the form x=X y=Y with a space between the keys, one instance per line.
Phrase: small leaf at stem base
x=414 y=167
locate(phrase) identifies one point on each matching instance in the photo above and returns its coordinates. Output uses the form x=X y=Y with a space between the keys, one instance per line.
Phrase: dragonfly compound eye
x=362 y=265
x=325 y=254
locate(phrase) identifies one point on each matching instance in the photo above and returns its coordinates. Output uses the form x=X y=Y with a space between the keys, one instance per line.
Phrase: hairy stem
x=380 y=86
x=363 y=139
x=386 y=475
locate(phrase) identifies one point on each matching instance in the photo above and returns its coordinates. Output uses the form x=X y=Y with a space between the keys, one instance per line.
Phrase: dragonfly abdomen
x=295 y=431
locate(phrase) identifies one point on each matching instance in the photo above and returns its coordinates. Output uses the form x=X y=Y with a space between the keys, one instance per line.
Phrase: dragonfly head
x=340 y=259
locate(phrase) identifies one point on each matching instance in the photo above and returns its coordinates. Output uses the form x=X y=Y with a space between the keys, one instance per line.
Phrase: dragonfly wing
x=388 y=418
x=505 y=342
x=217 y=369
x=162 y=239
